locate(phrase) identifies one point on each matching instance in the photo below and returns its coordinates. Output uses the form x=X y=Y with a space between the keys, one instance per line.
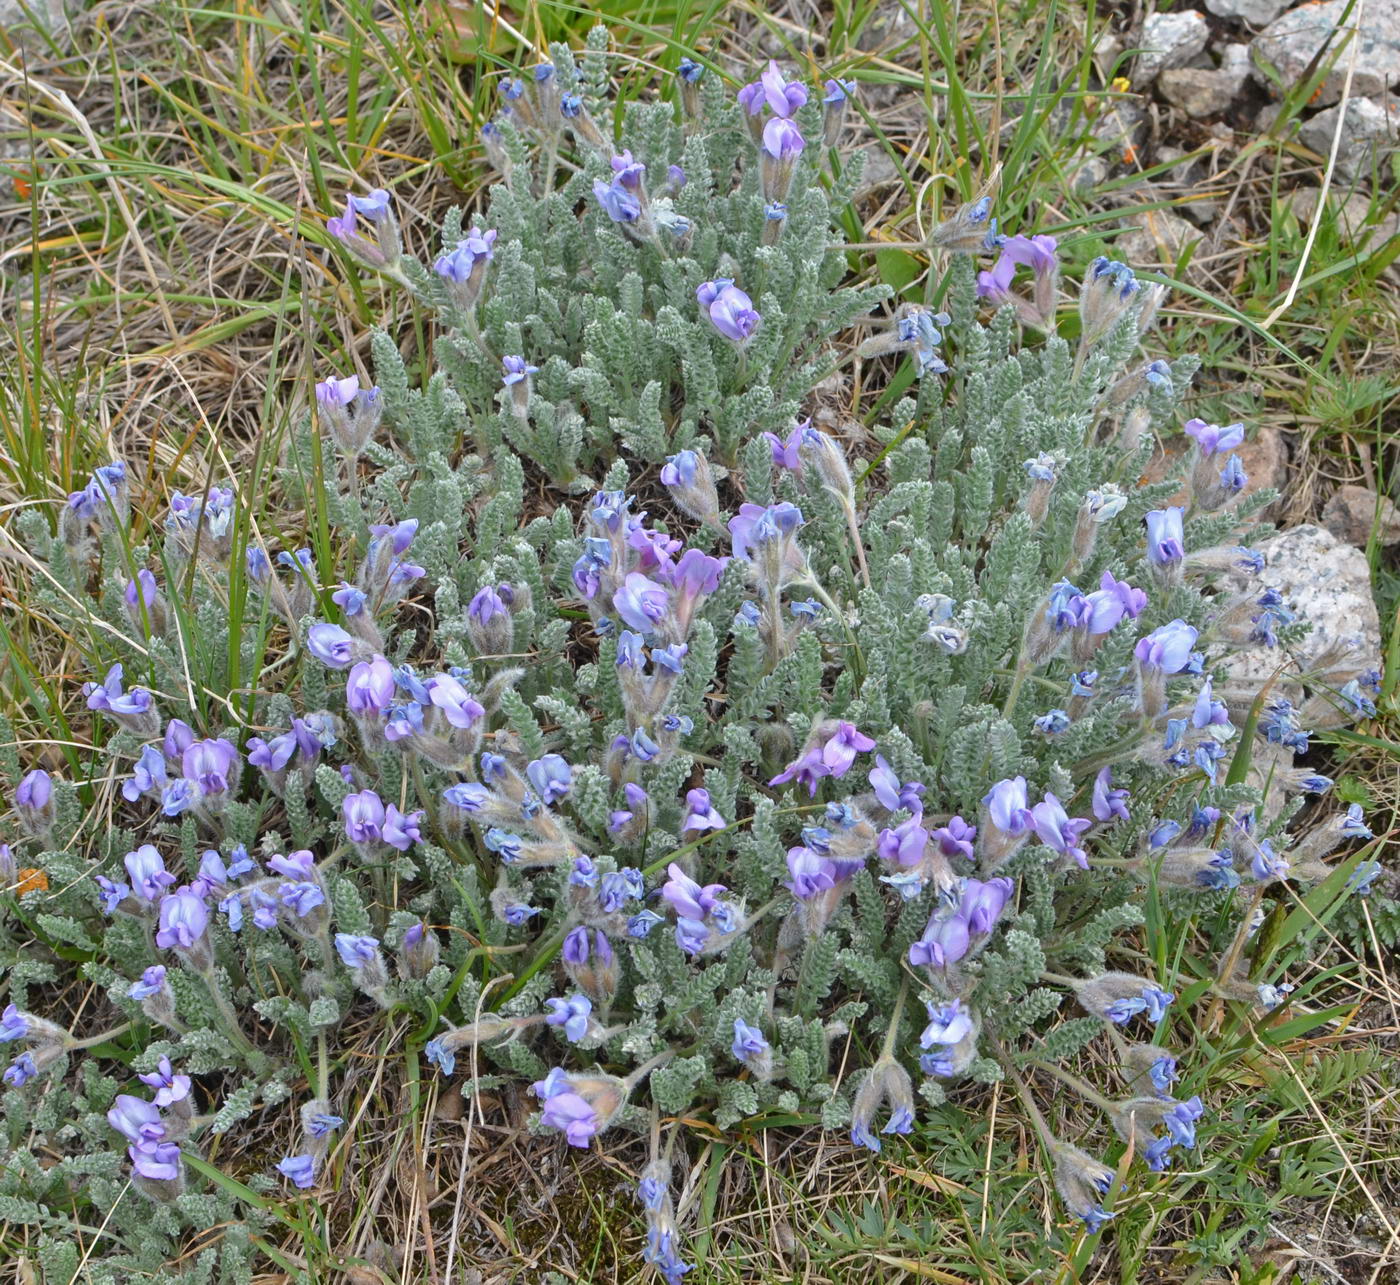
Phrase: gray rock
x=1370 y=130
x=1156 y=239
x=53 y=14
x=1354 y=512
x=1170 y=40
x=1288 y=45
x=1355 y=212
x=1198 y=93
x=1327 y=582
x=1235 y=63
x=1258 y=13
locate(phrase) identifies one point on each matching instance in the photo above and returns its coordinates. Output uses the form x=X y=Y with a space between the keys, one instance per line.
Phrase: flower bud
x=144 y=604
x=418 y=955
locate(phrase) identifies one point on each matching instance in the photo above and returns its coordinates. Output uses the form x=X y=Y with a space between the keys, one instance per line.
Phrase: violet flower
x=729 y=308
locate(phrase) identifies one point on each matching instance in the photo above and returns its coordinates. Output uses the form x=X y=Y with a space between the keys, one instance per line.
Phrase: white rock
x=1170 y=40
x=1288 y=45
x=1369 y=131
x=1258 y=13
x=1327 y=582
x=1235 y=63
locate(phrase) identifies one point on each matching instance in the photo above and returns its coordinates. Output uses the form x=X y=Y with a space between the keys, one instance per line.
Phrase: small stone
x=1354 y=512
x=1287 y=46
x=1257 y=13
x=1234 y=62
x=1353 y=212
x=1197 y=93
x=1370 y=131
x=1157 y=239
x=1327 y=582
x=1170 y=40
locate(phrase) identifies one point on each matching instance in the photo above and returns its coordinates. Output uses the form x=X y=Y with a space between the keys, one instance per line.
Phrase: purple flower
x=33 y=796
x=983 y=902
x=749 y=1044
x=13 y=1025
x=170 y=1088
x=1166 y=541
x=551 y=776
x=810 y=873
x=1109 y=802
x=1214 y=440
x=369 y=689
x=516 y=370
x=300 y=864
x=147 y=777
x=1006 y=805
x=755 y=527
x=782 y=97
x=137 y=1120
x=463 y=268
x=905 y=844
x=572 y=1014
x=686 y=897
x=337 y=393
x=729 y=308
x=179 y=736
x=364 y=817
x=113 y=894
x=147 y=872
x=356 y=952
x=891 y=792
x=299 y=1170
x=1054 y=828
x=21 y=1071
x=469 y=796
x=785 y=453
x=301 y=898
x=949 y=933
x=458 y=706
x=401 y=829
x=184 y=918
x=212 y=765
x=152 y=982
x=641 y=602
x=179 y=796
x=956 y=838
x=323 y=1123
x=330 y=644
x=841 y=748
x=947 y=1024
x=700 y=813
x=577 y=946
x=273 y=755
x=1167 y=649
x=692 y=935
x=618 y=202
x=944 y=941
x=782 y=140
x=506 y=845
x=109 y=696
x=995 y=284
x=566 y=1110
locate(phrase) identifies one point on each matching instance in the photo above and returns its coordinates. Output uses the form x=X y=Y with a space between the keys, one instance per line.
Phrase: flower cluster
x=646 y=795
